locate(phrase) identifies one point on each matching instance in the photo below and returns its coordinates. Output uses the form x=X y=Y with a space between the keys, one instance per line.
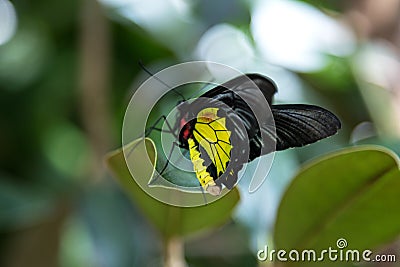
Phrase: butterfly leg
x=170 y=130
x=148 y=132
x=154 y=127
x=174 y=145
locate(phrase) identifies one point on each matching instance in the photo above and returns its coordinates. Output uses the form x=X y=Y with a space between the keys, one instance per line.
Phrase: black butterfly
x=222 y=133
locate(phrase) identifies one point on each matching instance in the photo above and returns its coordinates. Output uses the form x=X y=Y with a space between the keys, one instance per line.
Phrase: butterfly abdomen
x=202 y=174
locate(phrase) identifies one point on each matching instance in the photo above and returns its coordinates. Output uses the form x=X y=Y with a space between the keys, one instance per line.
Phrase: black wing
x=295 y=125
x=242 y=83
x=298 y=125
x=238 y=94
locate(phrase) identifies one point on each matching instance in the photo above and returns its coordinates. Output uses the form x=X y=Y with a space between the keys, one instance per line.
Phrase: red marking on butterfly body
x=185 y=128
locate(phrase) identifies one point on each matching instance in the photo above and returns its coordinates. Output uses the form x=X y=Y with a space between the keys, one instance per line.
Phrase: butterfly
x=221 y=131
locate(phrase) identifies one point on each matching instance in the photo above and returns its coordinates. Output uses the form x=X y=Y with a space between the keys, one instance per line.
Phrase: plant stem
x=95 y=45
x=174 y=255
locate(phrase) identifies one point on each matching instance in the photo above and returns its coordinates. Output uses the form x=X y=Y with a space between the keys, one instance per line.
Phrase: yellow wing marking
x=212 y=135
x=202 y=175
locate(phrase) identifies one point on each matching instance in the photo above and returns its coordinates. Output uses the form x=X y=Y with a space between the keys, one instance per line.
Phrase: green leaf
x=330 y=4
x=353 y=194
x=173 y=177
x=336 y=77
x=169 y=220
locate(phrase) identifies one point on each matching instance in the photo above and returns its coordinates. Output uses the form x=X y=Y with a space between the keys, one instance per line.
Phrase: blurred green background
x=68 y=69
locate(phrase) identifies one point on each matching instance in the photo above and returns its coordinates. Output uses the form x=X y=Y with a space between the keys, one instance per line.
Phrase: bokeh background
x=68 y=69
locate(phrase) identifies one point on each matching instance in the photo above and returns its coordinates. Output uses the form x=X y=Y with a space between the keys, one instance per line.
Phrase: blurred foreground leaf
x=353 y=194
x=330 y=4
x=170 y=220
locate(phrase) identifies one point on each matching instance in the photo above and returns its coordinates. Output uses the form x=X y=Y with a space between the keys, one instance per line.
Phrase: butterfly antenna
x=158 y=79
x=202 y=88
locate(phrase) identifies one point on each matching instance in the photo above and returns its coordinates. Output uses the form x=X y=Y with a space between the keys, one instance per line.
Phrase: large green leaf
x=353 y=194
x=170 y=220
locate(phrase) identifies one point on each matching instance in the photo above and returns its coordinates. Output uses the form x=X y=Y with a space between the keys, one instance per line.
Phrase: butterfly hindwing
x=298 y=125
x=211 y=133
